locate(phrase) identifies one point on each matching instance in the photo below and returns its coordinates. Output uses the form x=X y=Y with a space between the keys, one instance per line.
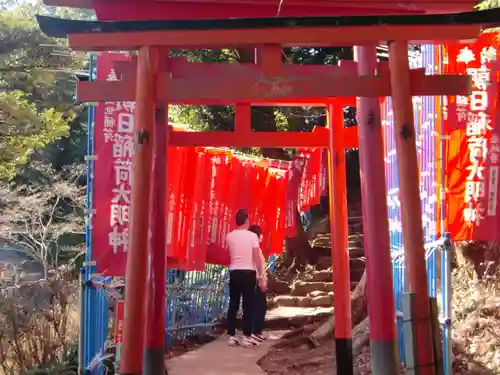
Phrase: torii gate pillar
x=409 y=195
x=381 y=306
x=137 y=255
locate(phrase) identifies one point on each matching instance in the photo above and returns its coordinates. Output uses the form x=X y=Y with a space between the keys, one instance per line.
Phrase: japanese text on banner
x=118 y=128
x=471 y=149
x=474 y=111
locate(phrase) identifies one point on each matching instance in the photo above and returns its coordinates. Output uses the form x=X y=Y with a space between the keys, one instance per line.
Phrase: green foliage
x=24 y=128
x=37 y=87
x=487 y=4
x=43 y=136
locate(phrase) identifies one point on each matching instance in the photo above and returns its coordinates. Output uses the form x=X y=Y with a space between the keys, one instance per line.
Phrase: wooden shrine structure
x=153 y=28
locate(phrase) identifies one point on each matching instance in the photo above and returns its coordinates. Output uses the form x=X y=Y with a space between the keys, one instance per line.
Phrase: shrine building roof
x=115 y=10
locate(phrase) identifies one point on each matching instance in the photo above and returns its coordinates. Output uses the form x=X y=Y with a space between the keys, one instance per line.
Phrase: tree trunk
x=359 y=307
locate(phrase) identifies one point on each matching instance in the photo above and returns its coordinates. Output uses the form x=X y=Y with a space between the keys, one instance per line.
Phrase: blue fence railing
x=428 y=131
x=436 y=254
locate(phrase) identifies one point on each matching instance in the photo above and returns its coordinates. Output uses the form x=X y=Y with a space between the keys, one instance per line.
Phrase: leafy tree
x=42 y=137
x=37 y=85
x=24 y=128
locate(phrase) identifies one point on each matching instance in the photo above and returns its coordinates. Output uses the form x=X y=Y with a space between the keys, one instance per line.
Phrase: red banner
x=196 y=252
x=120 y=317
x=294 y=177
x=323 y=173
x=472 y=127
x=113 y=148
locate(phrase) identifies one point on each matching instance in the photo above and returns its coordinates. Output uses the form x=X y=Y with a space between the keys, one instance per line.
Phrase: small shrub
x=476 y=319
x=38 y=324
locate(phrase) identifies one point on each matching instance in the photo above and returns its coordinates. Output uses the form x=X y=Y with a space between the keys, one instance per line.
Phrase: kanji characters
x=118 y=240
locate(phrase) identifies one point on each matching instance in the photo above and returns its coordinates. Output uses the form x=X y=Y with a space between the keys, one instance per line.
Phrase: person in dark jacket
x=260 y=299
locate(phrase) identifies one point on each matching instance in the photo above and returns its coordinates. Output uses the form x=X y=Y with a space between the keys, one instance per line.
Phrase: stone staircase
x=314 y=288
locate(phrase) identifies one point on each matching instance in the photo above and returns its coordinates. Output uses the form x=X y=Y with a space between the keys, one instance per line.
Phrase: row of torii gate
x=154 y=79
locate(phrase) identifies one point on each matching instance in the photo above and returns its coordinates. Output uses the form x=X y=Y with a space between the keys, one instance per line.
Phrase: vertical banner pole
x=447 y=291
x=340 y=252
x=409 y=191
x=154 y=362
x=81 y=333
x=137 y=254
x=381 y=306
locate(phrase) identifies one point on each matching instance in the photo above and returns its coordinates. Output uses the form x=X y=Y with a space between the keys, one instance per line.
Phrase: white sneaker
x=232 y=341
x=249 y=342
x=259 y=337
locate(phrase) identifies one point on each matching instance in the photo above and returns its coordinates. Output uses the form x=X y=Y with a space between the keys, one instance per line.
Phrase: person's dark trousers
x=259 y=311
x=241 y=284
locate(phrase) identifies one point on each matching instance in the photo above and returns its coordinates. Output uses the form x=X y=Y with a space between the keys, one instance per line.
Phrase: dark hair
x=256 y=229
x=241 y=217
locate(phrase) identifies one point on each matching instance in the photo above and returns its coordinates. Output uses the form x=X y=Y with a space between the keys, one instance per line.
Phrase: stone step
x=285 y=317
x=303 y=288
x=315 y=300
x=354 y=251
x=321 y=276
x=356 y=265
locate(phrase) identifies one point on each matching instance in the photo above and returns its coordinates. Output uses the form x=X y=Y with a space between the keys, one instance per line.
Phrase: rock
x=271 y=304
x=324 y=263
x=285 y=301
x=321 y=276
x=304 y=301
x=277 y=286
x=325 y=300
x=303 y=288
x=316 y=293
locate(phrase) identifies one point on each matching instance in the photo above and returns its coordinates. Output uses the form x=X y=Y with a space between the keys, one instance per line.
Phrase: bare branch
x=35 y=218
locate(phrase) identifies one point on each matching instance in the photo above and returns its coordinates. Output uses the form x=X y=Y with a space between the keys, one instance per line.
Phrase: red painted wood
x=196 y=9
x=221 y=83
x=317 y=138
x=290 y=37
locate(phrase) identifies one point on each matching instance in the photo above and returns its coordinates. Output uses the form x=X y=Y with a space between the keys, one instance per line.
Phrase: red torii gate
x=160 y=78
